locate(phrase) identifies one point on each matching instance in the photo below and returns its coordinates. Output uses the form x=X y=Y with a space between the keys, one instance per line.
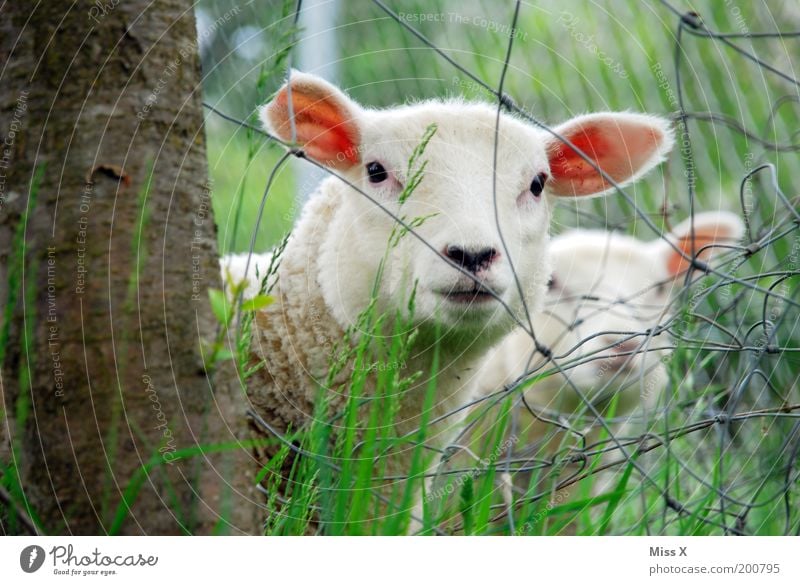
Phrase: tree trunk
x=107 y=248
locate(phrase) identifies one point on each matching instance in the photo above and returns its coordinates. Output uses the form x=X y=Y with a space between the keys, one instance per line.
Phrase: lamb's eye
x=537 y=185
x=376 y=172
x=551 y=284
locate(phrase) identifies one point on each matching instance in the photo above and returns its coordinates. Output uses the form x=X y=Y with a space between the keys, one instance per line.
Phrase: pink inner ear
x=676 y=264
x=571 y=173
x=619 y=148
x=704 y=237
x=330 y=145
x=322 y=127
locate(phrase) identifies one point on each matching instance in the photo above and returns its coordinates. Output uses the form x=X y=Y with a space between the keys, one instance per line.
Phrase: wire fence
x=718 y=451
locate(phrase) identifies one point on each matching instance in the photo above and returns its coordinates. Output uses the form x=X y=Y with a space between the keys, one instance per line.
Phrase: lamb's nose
x=626 y=347
x=623 y=353
x=471 y=260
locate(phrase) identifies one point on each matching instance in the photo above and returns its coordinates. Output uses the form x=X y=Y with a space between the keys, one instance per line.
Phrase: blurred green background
x=569 y=57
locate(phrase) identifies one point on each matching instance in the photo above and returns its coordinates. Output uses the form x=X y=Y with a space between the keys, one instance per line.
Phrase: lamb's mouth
x=477 y=295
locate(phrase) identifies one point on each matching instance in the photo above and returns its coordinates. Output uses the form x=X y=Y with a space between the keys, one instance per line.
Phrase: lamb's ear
x=625 y=146
x=326 y=121
x=713 y=231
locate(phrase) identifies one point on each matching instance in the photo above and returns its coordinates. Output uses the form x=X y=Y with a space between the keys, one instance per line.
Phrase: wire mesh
x=719 y=453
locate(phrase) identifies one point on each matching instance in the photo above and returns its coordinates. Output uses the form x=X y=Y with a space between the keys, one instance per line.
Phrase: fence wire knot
x=692 y=19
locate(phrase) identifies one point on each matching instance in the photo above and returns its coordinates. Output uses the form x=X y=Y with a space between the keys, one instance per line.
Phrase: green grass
x=339 y=486
x=240 y=166
x=749 y=465
x=334 y=491
x=10 y=479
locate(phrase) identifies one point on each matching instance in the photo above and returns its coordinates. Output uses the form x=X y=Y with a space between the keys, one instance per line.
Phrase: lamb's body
x=294 y=336
x=607 y=291
x=464 y=291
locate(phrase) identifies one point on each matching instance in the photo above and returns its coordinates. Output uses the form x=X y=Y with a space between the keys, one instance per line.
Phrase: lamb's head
x=607 y=290
x=461 y=206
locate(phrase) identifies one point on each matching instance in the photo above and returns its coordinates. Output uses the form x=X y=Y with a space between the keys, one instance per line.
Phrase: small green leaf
x=257 y=302
x=223 y=355
x=219 y=305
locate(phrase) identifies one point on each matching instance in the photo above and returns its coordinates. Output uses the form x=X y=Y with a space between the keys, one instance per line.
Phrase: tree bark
x=103 y=278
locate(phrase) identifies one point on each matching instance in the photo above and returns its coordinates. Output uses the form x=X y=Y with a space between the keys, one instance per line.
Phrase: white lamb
x=607 y=290
x=465 y=288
